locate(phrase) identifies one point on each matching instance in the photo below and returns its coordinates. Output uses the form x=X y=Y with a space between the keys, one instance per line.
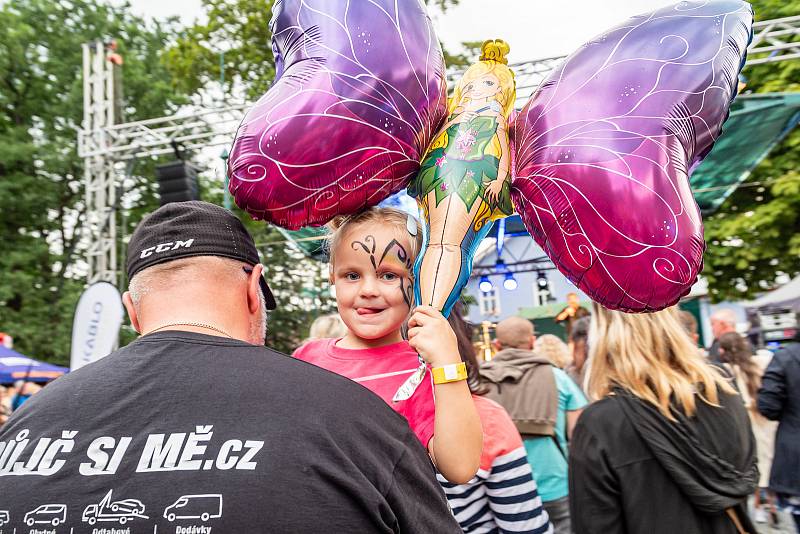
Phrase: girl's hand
x=430 y=335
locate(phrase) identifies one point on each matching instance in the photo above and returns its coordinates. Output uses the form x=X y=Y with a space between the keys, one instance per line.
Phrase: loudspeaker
x=177 y=182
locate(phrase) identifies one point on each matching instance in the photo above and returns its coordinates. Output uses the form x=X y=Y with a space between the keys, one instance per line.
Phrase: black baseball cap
x=194 y=228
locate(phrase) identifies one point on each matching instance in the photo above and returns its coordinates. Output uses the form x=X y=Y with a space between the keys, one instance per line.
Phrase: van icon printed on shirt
x=47 y=514
x=202 y=507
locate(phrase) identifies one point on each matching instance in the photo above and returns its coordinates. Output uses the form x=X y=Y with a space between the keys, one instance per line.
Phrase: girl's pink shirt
x=382 y=370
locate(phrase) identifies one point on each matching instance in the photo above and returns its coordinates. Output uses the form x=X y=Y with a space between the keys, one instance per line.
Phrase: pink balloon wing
x=359 y=93
x=604 y=149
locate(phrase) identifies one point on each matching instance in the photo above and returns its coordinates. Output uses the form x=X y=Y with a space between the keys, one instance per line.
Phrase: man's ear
x=497 y=345
x=533 y=341
x=127 y=301
x=254 y=288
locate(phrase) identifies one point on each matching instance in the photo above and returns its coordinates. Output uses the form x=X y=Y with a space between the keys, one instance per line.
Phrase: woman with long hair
x=736 y=355
x=503 y=496
x=667 y=447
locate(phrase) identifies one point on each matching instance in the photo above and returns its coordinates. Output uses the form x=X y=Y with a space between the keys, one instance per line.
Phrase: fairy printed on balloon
x=464 y=179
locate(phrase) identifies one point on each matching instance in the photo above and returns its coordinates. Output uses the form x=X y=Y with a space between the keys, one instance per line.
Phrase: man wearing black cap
x=196 y=427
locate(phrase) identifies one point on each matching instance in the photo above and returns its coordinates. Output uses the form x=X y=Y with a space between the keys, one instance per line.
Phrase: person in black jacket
x=667 y=448
x=779 y=400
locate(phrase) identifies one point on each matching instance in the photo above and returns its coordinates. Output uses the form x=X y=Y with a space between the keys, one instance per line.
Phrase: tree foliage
x=753 y=238
x=240 y=29
x=41 y=176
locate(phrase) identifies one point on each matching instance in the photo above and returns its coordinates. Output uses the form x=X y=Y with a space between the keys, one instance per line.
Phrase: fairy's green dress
x=463 y=166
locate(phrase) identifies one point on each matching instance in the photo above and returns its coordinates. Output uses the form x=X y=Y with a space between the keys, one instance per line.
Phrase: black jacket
x=779 y=400
x=633 y=471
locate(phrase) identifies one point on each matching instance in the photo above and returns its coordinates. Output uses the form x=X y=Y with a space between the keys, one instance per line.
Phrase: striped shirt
x=502 y=497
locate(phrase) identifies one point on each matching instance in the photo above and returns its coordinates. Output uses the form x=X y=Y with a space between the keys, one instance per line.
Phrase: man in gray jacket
x=544 y=403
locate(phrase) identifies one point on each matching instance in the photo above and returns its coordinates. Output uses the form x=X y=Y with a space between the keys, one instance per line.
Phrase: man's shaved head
x=180 y=272
x=514 y=332
x=199 y=284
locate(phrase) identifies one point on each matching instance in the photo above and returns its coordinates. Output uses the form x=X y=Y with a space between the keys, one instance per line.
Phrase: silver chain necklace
x=199 y=325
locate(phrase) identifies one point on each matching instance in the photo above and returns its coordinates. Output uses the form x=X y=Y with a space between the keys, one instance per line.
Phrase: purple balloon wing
x=605 y=147
x=359 y=93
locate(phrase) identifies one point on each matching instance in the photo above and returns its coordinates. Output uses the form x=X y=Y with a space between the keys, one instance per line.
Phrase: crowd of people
x=385 y=420
x=13 y=396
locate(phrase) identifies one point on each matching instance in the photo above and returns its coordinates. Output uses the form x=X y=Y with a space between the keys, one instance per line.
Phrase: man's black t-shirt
x=187 y=433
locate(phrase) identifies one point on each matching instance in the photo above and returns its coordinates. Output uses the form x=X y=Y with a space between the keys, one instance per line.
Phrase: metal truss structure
x=774 y=40
x=99 y=169
x=105 y=145
x=517 y=260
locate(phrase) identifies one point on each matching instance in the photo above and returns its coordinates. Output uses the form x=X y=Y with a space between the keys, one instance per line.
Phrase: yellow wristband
x=454 y=372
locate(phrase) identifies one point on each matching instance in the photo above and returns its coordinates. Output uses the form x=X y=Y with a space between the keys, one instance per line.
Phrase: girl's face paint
x=372 y=276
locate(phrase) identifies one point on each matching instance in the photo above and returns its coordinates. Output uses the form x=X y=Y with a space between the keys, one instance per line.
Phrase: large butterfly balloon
x=597 y=163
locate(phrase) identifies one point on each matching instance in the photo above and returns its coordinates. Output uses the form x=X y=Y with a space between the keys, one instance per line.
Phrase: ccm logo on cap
x=164 y=247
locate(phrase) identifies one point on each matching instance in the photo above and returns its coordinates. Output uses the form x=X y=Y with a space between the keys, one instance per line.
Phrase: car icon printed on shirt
x=47 y=514
x=120 y=511
x=203 y=507
x=4 y=517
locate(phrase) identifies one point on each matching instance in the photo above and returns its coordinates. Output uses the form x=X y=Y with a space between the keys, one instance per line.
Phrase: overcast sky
x=534 y=28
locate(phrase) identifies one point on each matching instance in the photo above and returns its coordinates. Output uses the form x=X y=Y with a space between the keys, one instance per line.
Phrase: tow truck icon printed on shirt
x=117 y=512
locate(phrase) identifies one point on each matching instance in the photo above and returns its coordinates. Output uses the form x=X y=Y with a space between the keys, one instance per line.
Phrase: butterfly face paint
x=374 y=289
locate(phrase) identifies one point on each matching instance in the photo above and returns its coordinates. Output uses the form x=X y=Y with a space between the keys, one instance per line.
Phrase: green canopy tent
x=757 y=123
x=309 y=240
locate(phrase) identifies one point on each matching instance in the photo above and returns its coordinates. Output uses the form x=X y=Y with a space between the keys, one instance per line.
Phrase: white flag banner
x=96 y=326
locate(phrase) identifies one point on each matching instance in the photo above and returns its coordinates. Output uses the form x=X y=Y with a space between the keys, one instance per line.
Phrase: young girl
x=371 y=256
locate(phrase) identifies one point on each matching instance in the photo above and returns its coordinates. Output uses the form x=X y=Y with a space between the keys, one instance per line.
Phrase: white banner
x=96 y=326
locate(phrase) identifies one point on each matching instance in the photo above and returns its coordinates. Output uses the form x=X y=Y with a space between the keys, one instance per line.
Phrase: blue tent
x=15 y=366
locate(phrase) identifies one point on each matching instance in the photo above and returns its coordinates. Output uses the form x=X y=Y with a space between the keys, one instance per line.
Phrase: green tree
x=753 y=238
x=41 y=176
x=472 y=50
x=240 y=30
x=237 y=28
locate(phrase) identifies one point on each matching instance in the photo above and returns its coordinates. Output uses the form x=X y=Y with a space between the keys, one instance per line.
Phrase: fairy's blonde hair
x=651 y=356
x=393 y=217
x=492 y=60
x=553 y=349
